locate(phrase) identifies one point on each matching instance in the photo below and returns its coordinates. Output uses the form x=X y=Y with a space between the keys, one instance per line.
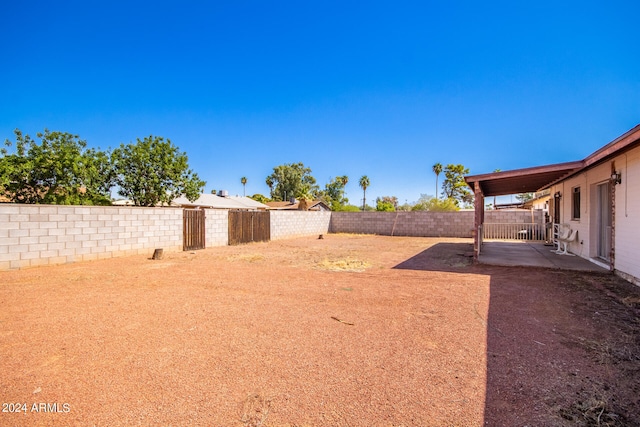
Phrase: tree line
x=59 y=168
x=294 y=180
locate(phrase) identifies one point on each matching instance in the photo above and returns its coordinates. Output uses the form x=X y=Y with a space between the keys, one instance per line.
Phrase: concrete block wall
x=419 y=224
x=520 y=216
x=288 y=224
x=216 y=227
x=422 y=224
x=32 y=235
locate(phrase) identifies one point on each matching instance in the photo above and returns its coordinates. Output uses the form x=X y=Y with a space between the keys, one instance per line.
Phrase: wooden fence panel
x=249 y=226
x=193 y=229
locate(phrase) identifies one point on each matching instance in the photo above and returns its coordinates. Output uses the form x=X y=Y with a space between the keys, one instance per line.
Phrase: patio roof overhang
x=538 y=178
x=519 y=181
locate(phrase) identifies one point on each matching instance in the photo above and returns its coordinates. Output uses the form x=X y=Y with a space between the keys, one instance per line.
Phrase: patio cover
x=520 y=181
x=538 y=178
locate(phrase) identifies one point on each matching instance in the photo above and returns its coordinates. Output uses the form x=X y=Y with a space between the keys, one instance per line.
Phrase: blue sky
x=383 y=89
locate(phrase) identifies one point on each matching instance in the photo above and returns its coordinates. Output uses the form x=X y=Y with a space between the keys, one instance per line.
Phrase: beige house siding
x=627 y=212
x=627 y=237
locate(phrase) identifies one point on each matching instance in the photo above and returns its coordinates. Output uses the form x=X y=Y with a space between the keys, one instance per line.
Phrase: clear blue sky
x=384 y=89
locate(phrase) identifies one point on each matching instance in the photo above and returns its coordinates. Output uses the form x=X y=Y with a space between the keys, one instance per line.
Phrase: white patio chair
x=565 y=241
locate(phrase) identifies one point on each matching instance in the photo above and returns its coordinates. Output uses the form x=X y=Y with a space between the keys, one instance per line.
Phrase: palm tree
x=243 y=180
x=343 y=180
x=270 y=183
x=364 y=183
x=437 y=168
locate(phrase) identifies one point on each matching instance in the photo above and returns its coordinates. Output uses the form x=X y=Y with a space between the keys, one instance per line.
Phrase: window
x=575 y=203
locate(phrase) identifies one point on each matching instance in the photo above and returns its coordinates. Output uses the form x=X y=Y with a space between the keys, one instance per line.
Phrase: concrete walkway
x=531 y=254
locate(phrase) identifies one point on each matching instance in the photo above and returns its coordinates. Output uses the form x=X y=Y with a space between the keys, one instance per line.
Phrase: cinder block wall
x=216 y=227
x=420 y=223
x=514 y=217
x=288 y=224
x=32 y=235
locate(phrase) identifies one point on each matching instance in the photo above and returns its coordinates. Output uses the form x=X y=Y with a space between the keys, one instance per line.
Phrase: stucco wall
x=627 y=212
x=627 y=226
x=32 y=235
x=288 y=224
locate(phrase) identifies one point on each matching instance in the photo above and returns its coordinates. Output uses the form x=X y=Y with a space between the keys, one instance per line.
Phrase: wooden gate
x=249 y=226
x=193 y=229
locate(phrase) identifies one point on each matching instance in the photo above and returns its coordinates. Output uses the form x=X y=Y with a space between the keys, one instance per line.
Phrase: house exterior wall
x=627 y=212
x=288 y=224
x=627 y=219
x=32 y=235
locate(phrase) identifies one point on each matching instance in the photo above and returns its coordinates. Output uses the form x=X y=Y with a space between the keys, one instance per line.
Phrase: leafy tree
x=364 y=184
x=437 y=169
x=243 y=180
x=454 y=186
x=524 y=197
x=291 y=180
x=57 y=170
x=430 y=203
x=348 y=208
x=153 y=171
x=333 y=193
x=260 y=198
x=386 y=203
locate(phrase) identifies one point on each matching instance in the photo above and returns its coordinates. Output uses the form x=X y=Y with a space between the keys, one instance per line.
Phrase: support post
x=478 y=219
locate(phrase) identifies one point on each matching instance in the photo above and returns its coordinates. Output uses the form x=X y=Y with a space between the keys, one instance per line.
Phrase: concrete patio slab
x=529 y=254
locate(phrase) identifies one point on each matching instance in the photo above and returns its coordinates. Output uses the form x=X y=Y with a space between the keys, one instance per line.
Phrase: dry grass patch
x=347 y=264
x=247 y=257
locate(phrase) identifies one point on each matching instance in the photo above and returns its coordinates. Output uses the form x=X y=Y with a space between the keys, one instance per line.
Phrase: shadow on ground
x=563 y=347
x=446 y=257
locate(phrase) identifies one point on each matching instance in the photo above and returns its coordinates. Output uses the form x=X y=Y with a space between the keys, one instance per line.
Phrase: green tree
x=525 y=197
x=454 y=186
x=437 y=169
x=291 y=180
x=243 y=181
x=364 y=184
x=153 y=171
x=430 y=203
x=57 y=170
x=333 y=193
x=349 y=208
x=386 y=204
x=260 y=198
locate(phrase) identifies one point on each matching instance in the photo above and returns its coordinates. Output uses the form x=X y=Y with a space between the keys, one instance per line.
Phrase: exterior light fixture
x=616 y=177
x=557 y=195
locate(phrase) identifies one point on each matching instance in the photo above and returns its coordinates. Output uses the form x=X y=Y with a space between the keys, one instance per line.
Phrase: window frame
x=575 y=203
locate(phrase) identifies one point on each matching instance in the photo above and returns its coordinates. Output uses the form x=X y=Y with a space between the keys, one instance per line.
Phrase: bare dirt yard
x=348 y=330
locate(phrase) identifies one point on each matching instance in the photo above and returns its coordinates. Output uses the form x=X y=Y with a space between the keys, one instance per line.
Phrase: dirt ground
x=348 y=330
